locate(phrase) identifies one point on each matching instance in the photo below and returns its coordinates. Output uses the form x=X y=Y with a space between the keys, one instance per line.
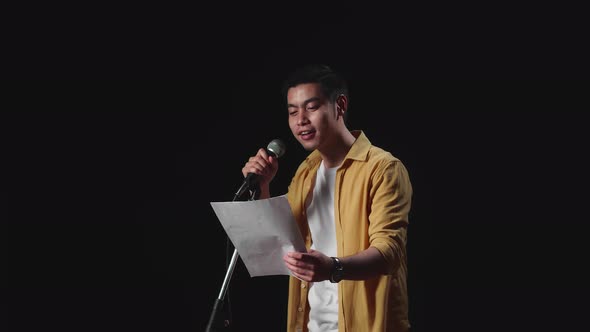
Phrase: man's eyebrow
x=306 y=102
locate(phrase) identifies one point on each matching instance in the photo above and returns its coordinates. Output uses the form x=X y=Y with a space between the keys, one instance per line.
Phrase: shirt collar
x=358 y=151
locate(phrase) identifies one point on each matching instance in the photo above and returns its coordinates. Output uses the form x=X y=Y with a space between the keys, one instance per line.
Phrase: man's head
x=331 y=83
x=317 y=101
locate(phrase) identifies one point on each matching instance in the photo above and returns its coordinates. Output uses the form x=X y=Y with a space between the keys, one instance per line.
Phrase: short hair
x=332 y=84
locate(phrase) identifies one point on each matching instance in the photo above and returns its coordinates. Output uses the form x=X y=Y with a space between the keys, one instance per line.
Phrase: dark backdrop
x=106 y=184
x=107 y=223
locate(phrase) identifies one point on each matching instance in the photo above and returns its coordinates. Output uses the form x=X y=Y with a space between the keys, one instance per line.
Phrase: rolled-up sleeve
x=391 y=197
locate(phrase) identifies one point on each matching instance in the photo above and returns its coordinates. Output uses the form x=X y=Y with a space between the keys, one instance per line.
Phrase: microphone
x=276 y=148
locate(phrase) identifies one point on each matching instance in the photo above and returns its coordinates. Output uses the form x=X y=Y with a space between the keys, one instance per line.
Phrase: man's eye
x=312 y=107
x=291 y=113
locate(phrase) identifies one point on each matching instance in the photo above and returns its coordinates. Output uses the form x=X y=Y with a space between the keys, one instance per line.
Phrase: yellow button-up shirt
x=371 y=205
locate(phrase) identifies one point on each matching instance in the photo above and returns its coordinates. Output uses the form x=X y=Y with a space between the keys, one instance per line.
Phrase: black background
x=107 y=179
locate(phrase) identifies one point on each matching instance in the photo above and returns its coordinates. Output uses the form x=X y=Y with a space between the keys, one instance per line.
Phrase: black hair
x=331 y=83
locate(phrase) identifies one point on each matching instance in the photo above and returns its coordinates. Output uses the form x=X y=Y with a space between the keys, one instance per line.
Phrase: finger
x=291 y=267
x=299 y=271
x=298 y=264
x=295 y=263
x=251 y=168
x=274 y=164
x=289 y=261
x=262 y=153
x=298 y=276
x=255 y=165
x=295 y=254
x=260 y=160
x=303 y=274
x=267 y=165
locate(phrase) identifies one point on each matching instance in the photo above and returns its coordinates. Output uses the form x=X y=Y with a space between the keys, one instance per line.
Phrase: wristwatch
x=337 y=270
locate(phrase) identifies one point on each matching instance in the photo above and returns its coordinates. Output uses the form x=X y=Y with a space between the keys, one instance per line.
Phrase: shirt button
x=302 y=285
x=300 y=309
x=298 y=329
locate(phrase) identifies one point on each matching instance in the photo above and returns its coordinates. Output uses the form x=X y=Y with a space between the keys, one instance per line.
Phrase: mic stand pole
x=213 y=324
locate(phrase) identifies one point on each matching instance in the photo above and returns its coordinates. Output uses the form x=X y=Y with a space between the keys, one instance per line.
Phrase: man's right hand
x=264 y=166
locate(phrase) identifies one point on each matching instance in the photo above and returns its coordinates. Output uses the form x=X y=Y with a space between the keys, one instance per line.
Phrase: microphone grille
x=277 y=147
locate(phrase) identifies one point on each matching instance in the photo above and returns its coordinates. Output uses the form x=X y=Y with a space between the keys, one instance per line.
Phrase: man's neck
x=334 y=154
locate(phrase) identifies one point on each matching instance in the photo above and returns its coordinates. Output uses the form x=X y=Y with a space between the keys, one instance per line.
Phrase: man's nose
x=302 y=119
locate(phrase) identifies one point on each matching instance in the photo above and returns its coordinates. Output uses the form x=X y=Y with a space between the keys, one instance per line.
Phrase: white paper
x=262 y=231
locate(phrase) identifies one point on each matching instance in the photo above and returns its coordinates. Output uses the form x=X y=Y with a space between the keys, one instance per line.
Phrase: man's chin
x=308 y=146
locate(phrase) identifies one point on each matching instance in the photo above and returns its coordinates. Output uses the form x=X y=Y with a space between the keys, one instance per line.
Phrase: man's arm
x=316 y=266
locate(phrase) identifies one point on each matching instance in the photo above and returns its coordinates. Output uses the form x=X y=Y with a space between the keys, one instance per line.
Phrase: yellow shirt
x=371 y=205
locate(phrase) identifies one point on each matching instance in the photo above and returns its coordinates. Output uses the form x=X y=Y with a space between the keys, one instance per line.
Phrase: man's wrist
x=337 y=270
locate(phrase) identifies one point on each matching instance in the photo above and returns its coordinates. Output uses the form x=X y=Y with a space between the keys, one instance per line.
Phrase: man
x=351 y=202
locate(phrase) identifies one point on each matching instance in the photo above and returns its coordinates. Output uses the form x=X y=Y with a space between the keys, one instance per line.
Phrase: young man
x=351 y=201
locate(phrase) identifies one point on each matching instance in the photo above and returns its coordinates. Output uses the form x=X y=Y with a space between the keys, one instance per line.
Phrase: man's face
x=312 y=117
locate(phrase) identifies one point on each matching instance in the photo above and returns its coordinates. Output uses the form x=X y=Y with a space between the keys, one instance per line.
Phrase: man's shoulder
x=376 y=153
x=380 y=155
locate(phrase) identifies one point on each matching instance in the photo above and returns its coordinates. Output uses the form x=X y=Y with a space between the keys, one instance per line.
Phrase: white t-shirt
x=323 y=296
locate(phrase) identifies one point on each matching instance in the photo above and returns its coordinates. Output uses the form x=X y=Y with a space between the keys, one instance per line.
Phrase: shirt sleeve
x=391 y=196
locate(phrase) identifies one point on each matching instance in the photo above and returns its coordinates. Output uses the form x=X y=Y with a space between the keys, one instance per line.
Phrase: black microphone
x=276 y=148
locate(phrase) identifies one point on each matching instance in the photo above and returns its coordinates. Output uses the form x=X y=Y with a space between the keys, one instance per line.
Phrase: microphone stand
x=214 y=325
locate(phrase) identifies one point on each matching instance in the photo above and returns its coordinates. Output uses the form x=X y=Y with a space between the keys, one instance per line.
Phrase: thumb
x=273 y=161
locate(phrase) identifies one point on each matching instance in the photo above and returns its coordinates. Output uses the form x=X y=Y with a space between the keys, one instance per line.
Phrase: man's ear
x=341 y=104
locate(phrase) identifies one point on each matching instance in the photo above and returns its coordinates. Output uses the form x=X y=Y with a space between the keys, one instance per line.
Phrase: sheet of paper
x=262 y=231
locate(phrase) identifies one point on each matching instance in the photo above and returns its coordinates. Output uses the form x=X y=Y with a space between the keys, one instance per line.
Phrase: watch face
x=337 y=272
